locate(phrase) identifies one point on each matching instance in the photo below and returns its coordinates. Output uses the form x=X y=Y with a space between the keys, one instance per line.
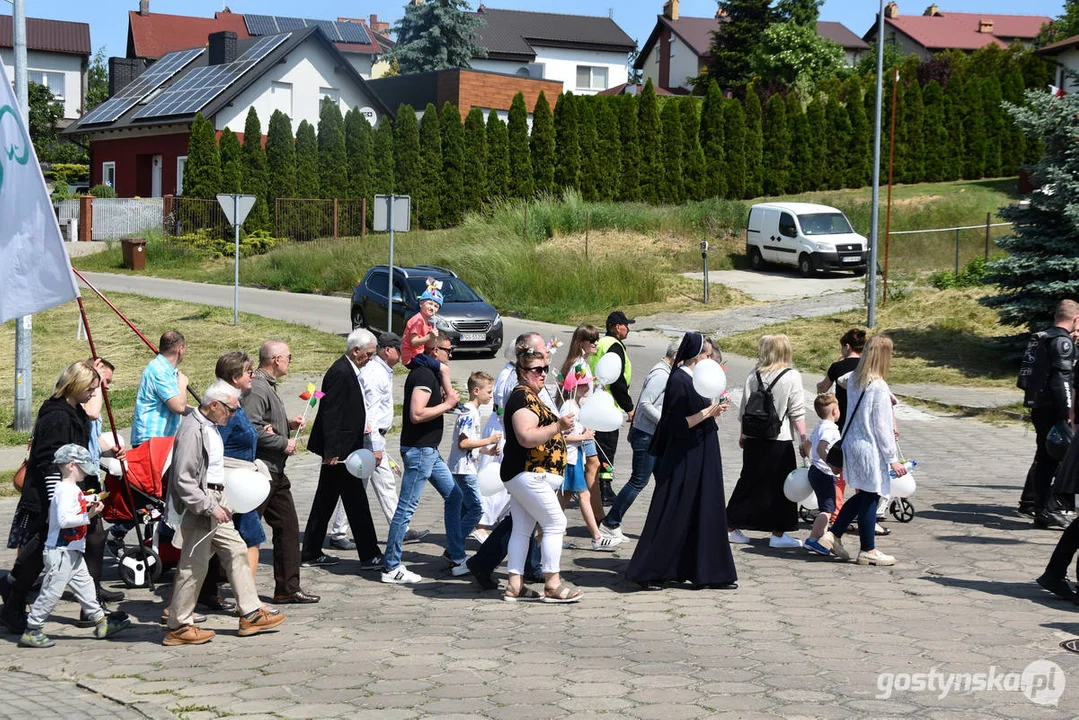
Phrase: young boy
x=419 y=330
x=69 y=517
x=821 y=477
x=464 y=455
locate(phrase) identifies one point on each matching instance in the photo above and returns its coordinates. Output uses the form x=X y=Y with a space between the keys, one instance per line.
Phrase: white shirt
x=215 y=454
x=827 y=431
x=68 y=518
x=572 y=448
x=465 y=462
x=376 y=381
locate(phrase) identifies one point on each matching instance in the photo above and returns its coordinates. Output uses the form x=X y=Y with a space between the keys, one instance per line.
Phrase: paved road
x=781 y=284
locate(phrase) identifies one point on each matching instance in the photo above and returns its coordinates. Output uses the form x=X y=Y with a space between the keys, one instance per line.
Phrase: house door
x=155 y=183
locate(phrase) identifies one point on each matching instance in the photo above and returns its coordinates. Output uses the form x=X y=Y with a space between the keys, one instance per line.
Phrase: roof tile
x=59 y=36
x=949 y=30
x=513 y=32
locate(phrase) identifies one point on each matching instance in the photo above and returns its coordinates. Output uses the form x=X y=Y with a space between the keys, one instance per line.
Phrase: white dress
x=495 y=506
x=869 y=445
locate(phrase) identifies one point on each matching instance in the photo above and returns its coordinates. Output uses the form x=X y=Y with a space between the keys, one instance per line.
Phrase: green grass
x=208 y=330
x=633 y=256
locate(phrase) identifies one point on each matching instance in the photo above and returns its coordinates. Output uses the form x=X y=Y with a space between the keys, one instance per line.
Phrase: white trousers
x=533 y=499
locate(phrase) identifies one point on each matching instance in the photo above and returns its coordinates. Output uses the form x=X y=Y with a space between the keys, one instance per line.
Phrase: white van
x=807 y=236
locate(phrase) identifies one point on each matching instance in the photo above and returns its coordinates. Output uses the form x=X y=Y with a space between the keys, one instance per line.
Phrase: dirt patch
x=603 y=243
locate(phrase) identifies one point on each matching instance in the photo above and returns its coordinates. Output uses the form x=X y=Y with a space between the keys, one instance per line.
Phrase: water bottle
x=909 y=465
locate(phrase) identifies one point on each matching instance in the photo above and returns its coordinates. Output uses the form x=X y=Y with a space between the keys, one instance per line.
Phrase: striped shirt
x=153 y=418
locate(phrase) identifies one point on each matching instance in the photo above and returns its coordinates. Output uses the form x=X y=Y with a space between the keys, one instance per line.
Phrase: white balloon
x=796 y=487
x=111 y=465
x=361 y=463
x=245 y=489
x=600 y=413
x=490 y=479
x=105 y=441
x=810 y=503
x=608 y=368
x=904 y=486
x=709 y=380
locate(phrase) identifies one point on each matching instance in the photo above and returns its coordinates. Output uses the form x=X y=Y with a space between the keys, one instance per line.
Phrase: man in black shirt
x=421 y=432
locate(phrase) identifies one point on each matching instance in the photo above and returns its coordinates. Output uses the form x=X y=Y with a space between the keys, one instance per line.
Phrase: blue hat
x=433 y=291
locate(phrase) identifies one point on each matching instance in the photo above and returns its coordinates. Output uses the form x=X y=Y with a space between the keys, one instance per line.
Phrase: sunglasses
x=287 y=357
x=447 y=350
x=232 y=410
x=539 y=369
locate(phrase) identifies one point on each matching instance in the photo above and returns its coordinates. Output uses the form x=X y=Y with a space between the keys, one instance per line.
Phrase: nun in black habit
x=685 y=533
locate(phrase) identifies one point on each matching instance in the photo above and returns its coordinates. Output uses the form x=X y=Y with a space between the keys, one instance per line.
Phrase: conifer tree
x=254 y=172
x=498 y=158
x=406 y=154
x=913 y=111
x=520 y=168
x=332 y=156
x=475 y=179
x=746 y=21
x=429 y=200
x=861 y=137
x=974 y=139
x=307 y=162
x=202 y=173
x=734 y=140
x=801 y=157
x=280 y=161
x=1013 y=146
x=360 y=151
x=754 y=144
x=231 y=162
x=453 y=166
x=712 y=142
x=568 y=166
x=994 y=125
x=953 y=119
x=650 y=137
x=609 y=150
x=629 y=187
x=542 y=146
x=382 y=177
x=672 y=190
x=588 y=139
x=777 y=147
x=936 y=133
x=839 y=141
x=694 y=168
x=817 y=132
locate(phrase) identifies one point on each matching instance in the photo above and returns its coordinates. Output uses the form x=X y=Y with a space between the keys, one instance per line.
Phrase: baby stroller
x=141 y=565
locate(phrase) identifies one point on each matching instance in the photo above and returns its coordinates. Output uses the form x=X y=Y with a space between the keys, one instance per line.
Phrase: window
x=786 y=226
x=331 y=94
x=281 y=97
x=590 y=77
x=181 y=163
x=52 y=80
x=378 y=282
x=825 y=224
x=108 y=174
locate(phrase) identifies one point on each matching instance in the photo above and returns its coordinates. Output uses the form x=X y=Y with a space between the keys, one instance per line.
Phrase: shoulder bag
x=835 y=453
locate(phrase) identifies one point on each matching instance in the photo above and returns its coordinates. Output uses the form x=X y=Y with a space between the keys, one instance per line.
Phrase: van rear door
x=769 y=234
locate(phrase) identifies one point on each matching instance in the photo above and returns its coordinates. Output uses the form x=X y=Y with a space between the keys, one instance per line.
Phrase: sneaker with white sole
x=460 y=569
x=784 y=541
x=738 y=537
x=606 y=544
x=875 y=557
x=612 y=532
x=837 y=547
x=401 y=575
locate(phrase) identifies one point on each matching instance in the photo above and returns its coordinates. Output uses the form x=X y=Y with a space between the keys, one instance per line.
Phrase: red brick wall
x=131 y=157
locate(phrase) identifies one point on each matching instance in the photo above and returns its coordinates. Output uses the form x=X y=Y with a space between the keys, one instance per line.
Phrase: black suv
x=468 y=320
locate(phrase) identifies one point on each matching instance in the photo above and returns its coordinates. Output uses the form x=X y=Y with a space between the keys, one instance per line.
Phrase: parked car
x=807 y=236
x=467 y=319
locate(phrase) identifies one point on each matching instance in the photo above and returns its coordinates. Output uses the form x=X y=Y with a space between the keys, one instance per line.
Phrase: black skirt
x=758 y=502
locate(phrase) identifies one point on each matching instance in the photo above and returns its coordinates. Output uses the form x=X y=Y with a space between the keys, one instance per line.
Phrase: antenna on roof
x=610 y=13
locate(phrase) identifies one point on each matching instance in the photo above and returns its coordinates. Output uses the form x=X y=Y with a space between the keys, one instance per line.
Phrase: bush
x=102 y=191
x=972 y=275
x=209 y=243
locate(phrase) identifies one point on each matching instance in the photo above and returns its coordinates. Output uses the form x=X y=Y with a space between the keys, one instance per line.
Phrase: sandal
x=525 y=593
x=881 y=531
x=562 y=594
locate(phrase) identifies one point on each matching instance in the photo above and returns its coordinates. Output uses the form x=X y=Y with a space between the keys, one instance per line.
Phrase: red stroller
x=140 y=566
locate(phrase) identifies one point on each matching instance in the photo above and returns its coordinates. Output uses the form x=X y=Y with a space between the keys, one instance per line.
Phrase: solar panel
x=192 y=92
x=285 y=24
x=260 y=25
x=352 y=32
x=328 y=27
x=152 y=78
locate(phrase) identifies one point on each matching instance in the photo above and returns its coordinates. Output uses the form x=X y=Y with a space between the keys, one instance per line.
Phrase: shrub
x=208 y=243
x=102 y=191
x=973 y=274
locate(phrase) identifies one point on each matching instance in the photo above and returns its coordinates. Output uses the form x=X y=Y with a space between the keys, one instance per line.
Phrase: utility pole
x=24 y=385
x=871 y=320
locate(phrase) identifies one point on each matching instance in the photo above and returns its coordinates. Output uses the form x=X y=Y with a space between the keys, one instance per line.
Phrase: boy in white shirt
x=465 y=454
x=69 y=516
x=821 y=477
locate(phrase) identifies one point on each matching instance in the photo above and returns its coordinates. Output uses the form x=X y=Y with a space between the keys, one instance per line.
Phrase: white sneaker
x=875 y=557
x=784 y=541
x=401 y=575
x=606 y=544
x=460 y=569
x=612 y=532
x=738 y=537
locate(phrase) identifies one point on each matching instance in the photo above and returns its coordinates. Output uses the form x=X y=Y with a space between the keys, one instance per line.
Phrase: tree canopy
x=436 y=35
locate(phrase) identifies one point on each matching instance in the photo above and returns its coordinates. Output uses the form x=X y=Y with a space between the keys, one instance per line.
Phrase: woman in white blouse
x=869 y=452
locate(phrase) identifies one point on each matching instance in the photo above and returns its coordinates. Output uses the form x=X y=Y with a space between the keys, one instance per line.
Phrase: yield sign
x=236 y=207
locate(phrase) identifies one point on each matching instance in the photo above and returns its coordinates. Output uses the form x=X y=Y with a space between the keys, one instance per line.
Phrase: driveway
x=775 y=285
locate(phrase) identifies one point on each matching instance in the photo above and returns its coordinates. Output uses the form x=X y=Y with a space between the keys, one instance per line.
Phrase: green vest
x=602 y=347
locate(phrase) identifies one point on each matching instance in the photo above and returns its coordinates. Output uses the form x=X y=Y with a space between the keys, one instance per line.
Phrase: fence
x=124 y=217
x=938 y=248
x=188 y=217
x=306 y=219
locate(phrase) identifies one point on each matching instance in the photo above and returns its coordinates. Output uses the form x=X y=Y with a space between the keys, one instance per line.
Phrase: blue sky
x=108 y=18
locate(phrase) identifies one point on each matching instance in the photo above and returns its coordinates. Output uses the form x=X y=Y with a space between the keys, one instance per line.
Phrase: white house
x=57 y=56
x=1065 y=55
x=587 y=54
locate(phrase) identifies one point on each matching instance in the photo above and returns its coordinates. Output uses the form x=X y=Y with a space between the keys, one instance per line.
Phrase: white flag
x=35 y=273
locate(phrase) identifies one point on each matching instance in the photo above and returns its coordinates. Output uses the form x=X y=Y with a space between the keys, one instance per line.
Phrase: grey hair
x=269 y=349
x=672 y=349
x=220 y=391
x=360 y=338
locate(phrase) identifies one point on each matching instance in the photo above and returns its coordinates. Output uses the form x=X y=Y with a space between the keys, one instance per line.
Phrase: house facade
x=586 y=54
x=935 y=30
x=57 y=56
x=139 y=137
x=1065 y=55
x=679 y=48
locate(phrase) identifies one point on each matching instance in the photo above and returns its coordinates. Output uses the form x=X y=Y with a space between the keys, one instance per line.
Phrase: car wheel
x=805 y=265
x=859 y=272
x=358 y=320
x=756 y=260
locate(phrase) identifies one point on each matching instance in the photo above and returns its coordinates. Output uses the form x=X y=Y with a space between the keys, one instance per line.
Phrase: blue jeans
x=643 y=464
x=864 y=507
x=424 y=464
x=471 y=509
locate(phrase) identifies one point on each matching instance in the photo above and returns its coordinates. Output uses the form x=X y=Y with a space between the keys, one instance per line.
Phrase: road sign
x=400 y=215
x=236 y=207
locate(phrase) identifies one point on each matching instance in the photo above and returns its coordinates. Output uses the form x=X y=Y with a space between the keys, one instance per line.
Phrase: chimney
x=932 y=11
x=379 y=26
x=144 y=7
x=985 y=26
x=891 y=10
x=670 y=9
x=122 y=71
x=222 y=47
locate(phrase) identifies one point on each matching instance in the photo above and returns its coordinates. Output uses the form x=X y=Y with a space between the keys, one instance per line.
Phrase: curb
x=973 y=410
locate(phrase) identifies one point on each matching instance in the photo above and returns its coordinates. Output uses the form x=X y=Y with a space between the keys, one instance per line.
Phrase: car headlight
x=497 y=323
x=825 y=247
x=442 y=323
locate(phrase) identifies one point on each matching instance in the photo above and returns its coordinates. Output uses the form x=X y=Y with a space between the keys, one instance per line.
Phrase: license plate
x=473 y=337
x=851 y=259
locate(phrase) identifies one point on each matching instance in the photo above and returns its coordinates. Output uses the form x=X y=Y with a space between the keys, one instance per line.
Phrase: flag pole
x=24 y=382
x=871 y=284
x=128 y=497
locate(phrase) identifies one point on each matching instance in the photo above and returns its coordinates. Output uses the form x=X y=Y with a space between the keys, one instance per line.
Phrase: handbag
x=19 y=478
x=835 y=453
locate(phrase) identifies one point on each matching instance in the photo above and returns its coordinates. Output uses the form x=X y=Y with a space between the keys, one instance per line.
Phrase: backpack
x=1033 y=368
x=760 y=419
